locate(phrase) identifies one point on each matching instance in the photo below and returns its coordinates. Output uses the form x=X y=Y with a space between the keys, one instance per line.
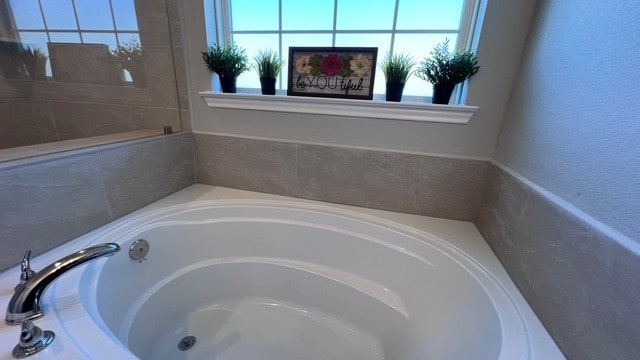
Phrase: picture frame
x=333 y=72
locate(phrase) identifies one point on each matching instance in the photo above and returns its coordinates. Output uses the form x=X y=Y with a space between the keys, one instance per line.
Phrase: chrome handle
x=26 y=272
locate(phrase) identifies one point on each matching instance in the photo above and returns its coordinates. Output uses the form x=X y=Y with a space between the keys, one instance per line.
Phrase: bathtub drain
x=186 y=342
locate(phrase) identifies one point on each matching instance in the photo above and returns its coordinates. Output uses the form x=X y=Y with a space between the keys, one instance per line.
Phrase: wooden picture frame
x=334 y=72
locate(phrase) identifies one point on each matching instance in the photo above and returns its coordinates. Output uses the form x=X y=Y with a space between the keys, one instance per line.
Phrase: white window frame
x=465 y=37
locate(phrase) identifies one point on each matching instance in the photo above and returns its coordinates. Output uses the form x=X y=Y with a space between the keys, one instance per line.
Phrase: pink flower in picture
x=331 y=65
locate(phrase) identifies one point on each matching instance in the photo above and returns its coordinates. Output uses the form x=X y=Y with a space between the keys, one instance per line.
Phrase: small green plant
x=129 y=55
x=226 y=61
x=397 y=68
x=268 y=65
x=446 y=68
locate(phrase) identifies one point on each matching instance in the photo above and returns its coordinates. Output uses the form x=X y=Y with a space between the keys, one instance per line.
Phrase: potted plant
x=228 y=62
x=397 y=69
x=444 y=70
x=268 y=66
x=35 y=61
x=129 y=56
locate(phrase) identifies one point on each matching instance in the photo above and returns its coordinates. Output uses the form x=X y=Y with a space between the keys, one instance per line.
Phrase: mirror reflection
x=80 y=68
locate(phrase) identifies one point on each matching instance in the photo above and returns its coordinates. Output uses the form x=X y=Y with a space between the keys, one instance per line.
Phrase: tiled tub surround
x=396 y=181
x=47 y=201
x=581 y=278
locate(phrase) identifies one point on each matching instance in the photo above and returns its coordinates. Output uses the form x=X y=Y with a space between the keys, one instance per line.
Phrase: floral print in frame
x=338 y=72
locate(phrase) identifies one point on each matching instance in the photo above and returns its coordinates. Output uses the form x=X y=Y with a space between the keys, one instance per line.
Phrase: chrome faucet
x=24 y=306
x=25 y=303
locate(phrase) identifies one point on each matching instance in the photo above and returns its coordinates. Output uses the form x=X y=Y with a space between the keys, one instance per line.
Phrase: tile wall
x=46 y=202
x=396 y=181
x=581 y=279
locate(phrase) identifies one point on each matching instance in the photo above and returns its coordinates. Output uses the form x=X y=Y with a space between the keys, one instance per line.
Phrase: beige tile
x=181 y=77
x=77 y=120
x=249 y=164
x=25 y=122
x=185 y=120
x=154 y=118
x=374 y=179
x=46 y=204
x=450 y=188
x=582 y=284
x=500 y=210
x=139 y=174
x=153 y=22
x=161 y=80
x=174 y=22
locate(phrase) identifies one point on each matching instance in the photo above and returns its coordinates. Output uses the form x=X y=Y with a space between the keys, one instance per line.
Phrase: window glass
x=59 y=14
x=280 y=24
x=64 y=37
x=252 y=44
x=124 y=12
x=296 y=15
x=128 y=37
x=436 y=14
x=254 y=15
x=100 y=38
x=34 y=39
x=305 y=40
x=94 y=14
x=420 y=46
x=363 y=15
x=26 y=14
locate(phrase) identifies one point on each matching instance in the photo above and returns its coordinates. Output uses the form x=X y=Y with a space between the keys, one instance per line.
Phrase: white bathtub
x=255 y=276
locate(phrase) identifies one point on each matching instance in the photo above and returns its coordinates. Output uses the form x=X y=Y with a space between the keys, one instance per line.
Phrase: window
x=39 y=22
x=410 y=26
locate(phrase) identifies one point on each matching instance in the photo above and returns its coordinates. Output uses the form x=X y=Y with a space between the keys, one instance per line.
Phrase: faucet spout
x=25 y=303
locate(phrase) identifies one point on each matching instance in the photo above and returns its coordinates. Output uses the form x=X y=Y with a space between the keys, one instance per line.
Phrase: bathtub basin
x=238 y=275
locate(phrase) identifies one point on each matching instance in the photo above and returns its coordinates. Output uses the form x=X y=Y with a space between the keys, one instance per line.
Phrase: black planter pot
x=228 y=84
x=442 y=93
x=268 y=86
x=394 y=91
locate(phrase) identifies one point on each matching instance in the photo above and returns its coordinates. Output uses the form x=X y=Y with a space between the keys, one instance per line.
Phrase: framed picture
x=336 y=72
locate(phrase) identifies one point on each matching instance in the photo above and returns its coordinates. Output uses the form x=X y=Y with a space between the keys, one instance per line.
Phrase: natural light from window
x=413 y=27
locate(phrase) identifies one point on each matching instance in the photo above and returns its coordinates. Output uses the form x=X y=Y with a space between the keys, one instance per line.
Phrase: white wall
x=573 y=120
x=502 y=39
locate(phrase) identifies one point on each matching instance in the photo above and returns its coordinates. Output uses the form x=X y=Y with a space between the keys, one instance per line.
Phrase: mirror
x=72 y=69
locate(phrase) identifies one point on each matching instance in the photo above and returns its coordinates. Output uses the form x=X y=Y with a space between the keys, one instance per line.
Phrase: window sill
x=406 y=111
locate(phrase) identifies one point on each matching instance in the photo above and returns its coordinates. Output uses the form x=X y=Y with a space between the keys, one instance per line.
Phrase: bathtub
x=232 y=274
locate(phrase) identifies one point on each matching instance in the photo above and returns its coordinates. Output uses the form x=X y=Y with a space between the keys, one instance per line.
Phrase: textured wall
x=573 y=121
x=45 y=202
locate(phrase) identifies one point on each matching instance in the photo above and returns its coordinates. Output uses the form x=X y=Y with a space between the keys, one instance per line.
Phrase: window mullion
x=280 y=38
x=467 y=23
x=393 y=29
x=335 y=22
x=44 y=21
x=75 y=14
x=222 y=10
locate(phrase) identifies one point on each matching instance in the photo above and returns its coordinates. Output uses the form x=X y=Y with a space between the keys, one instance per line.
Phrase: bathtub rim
x=461 y=236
